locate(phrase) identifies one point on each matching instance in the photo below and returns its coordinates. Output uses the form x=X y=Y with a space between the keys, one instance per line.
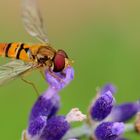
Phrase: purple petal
x=62 y=80
x=45 y=105
x=55 y=129
x=108 y=87
x=124 y=112
x=109 y=130
x=36 y=126
x=102 y=106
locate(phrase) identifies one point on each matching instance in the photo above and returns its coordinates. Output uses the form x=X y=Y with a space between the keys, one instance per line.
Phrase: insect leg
x=42 y=74
x=55 y=76
x=32 y=84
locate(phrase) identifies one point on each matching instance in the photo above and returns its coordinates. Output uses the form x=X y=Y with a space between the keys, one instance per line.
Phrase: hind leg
x=32 y=84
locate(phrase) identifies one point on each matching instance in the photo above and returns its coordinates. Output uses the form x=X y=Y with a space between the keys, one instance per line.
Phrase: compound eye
x=59 y=63
x=63 y=53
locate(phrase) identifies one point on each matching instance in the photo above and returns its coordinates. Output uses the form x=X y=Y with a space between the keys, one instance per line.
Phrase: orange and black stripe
x=16 y=50
x=23 y=52
x=7 y=49
x=21 y=47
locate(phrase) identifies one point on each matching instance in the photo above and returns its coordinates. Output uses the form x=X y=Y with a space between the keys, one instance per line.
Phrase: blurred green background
x=102 y=37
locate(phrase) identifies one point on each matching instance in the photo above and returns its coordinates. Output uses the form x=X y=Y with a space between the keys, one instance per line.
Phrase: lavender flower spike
x=45 y=106
x=55 y=129
x=109 y=130
x=102 y=106
x=108 y=87
x=60 y=80
x=57 y=126
x=36 y=126
x=42 y=110
x=48 y=104
x=124 y=112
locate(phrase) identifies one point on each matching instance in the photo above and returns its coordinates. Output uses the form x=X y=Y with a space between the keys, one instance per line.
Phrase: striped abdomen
x=16 y=50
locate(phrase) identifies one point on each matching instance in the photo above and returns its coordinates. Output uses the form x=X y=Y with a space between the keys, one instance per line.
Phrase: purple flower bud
x=55 y=129
x=60 y=80
x=124 y=112
x=45 y=105
x=36 y=126
x=108 y=87
x=102 y=106
x=109 y=130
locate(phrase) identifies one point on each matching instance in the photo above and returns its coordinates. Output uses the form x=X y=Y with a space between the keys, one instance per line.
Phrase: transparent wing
x=12 y=70
x=33 y=21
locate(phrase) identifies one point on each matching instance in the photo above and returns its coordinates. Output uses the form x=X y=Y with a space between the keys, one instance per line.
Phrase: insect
x=27 y=57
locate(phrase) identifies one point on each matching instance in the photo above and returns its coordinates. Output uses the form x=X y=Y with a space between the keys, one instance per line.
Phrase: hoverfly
x=28 y=57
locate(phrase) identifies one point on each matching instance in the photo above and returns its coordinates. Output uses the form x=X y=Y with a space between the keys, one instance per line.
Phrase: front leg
x=55 y=75
x=58 y=76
